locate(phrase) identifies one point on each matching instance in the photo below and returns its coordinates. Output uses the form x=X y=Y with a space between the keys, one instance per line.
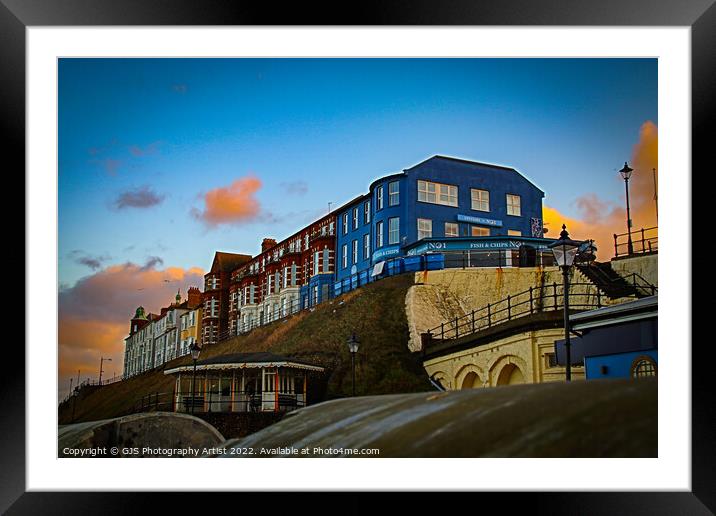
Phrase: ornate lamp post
x=195 y=351
x=353 y=348
x=101 y=363
x=626 y=174
x=565 y=251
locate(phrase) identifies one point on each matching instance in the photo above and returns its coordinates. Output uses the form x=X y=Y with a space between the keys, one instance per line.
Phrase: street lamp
x=565 y=251
x=101 y=363
x=626 y=174
x=195 y=350
x=353 y=348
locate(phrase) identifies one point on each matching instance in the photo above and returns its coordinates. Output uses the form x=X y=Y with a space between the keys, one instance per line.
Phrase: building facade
x=285 y=277
x=441 y=198
x=217 y=282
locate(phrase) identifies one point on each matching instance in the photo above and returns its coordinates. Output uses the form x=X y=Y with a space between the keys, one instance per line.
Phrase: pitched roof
x=226 y=262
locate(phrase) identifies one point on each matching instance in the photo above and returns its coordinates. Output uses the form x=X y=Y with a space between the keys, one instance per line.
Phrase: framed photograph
x=428 y=238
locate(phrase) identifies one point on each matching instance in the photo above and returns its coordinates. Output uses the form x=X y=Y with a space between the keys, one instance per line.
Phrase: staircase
x=614 y=285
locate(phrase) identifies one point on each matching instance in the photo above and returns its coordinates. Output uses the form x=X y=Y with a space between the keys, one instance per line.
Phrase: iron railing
x=582 y=296
x=213 y=401
x=644 y=240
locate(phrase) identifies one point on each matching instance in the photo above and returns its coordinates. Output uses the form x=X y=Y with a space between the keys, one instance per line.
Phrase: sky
x=163 y=161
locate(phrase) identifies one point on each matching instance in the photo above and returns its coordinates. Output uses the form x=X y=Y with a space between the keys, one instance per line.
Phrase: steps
x=612 y=284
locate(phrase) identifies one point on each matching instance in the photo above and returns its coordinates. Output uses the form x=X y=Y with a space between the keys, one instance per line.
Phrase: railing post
x=509 y=308
x=457 y=333
x=442 y=331
x=531 y=301
x=554 y=287
x=473 y=321
x=616 y=248
x=643 y=248
x=599 y=298
x=489 y=316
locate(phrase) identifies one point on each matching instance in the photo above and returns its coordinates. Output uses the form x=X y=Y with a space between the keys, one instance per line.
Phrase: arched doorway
x=471 y=381
x=510 y=375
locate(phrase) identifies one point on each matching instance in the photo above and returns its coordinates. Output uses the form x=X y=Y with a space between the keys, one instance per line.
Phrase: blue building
x=441 y=204
x=618 y=341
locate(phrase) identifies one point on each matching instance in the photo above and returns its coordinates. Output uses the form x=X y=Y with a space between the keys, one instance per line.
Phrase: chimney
x=194 y=297
x=267 y=244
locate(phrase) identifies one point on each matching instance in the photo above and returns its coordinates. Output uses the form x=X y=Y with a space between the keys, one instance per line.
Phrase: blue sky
x=163 y=132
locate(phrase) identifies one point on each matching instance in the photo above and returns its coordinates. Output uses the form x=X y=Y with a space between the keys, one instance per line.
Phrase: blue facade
x=354 y=230
x=618 y=365
x=439 y=198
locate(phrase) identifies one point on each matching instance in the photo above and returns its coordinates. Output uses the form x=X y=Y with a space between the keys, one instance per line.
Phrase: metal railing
x=213 y=401
x=644 y=240
x=582 y=296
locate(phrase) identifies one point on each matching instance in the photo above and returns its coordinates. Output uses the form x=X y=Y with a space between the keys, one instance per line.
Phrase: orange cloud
x=94 y=314
x=230 y=204
x=599 y=219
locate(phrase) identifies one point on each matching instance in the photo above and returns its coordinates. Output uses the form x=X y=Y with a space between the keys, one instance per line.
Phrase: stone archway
x=510 y=374
x=471 y=381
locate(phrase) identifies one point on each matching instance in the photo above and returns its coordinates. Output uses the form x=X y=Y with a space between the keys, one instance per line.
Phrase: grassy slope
x=376 y=313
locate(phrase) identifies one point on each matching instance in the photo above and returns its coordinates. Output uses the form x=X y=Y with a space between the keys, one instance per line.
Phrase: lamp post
x=626 y=174
x=565 y=251
x=353 y=348
x=101 y=363
x=195 y=350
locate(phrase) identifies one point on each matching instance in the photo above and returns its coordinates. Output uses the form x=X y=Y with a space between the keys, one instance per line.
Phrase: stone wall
x=645 y=265
x=441 y=296
x=519 y=358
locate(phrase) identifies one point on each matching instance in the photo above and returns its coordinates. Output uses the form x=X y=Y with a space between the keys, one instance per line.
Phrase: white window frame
x=345 y=223
x=379 y=235
x=423 y=232
x=366 y=246
x=393 y=232
x=452 y=225
x=394 y=196
x=355 y=251
x=355 y=217
x=344 y=256
x=379 y=198
x=436 y=193
x=479 y=199
x=514 y=209
x=366 y=212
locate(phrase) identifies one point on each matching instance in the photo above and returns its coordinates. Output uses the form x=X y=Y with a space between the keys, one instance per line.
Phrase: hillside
x=376 y=313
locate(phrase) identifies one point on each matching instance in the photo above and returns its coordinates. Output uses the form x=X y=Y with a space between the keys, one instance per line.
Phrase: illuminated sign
x=480 y=220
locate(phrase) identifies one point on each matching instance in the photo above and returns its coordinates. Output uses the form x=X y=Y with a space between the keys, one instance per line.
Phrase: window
x=480 y=231
x=344 y=255
x=513 y=205
x=550 y=360
x=480 y=199
x=379 y=235
x=316 y=262
x=393 y=230
x=355 y=251
x=514 y=232
x=451 y=229
x=355 y=217
x=425 y=228
x=379 y=195
x=345 y=223
x=366 y=246
x=643 y=367
x=437 y=193
x=366 y=212
x=393 y=193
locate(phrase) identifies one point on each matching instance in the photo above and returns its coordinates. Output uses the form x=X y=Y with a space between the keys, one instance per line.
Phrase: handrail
x=643 y=243
x=514 y=306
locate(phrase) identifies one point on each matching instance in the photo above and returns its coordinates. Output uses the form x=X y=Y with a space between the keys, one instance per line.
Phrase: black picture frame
x=700 y=15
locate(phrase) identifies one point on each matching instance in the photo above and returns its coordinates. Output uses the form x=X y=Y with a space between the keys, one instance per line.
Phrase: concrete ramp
x=138 y=435
x=600 y=418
